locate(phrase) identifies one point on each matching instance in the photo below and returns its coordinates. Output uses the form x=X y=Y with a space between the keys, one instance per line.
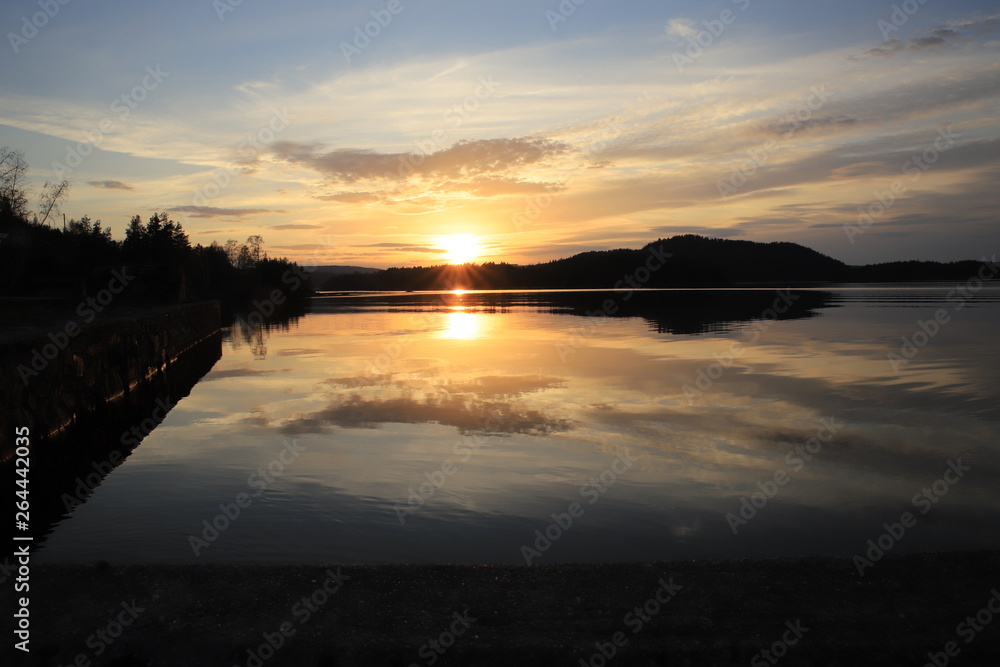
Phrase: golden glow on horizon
x=460 y=248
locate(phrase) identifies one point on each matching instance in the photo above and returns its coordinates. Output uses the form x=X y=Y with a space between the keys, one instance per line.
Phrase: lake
x=547 y=427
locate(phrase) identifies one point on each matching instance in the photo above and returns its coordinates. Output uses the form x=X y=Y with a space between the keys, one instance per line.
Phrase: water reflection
x=461 y=325
x=497 y=409
x=667 y=311
x=471 y=406
x=65 y=474
x=253 y=324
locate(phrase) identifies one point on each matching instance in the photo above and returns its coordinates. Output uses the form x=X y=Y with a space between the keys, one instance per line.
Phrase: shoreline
x=817 y=610
x=90 y=368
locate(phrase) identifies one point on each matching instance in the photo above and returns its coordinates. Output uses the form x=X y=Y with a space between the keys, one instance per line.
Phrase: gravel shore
x=800 y=611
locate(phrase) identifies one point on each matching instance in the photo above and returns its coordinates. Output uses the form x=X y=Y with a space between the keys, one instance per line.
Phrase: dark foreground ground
x=724 y=613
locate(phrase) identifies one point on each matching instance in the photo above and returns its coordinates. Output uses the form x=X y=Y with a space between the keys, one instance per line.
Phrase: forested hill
x=680 y=261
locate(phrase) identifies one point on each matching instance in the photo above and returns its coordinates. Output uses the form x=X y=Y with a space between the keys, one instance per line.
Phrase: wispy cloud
x=405 y=247
x=464 y=158
x=110 y=185
x=352 y=197
x=952 y=35
x=218 y=212
x=681 y=28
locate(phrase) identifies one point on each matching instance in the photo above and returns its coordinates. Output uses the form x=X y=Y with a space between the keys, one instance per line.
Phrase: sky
x=361 y=133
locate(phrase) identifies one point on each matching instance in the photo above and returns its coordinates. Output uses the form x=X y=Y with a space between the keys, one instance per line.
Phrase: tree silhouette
x=160 y=241
x=255 y=245
x=36 y=259
x=13 y=185
x=135 y=237
x=85 y=227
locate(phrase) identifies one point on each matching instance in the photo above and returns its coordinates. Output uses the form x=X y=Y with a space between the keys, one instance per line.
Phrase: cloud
x=885 y=162
x=918 y=43
x=944 y=32
x=110 y=185
x=215 y=212
x=506 y=386
x=463 y=159
x=786 y=127
x=480 y=186
x=851 y=114
x=681 y=28
x=975 y=25
x=468 y=415
x=952 y=35
x=492 y=187
x=296 y=227
x=487 y=405
x=352 y=197
x=408 y=247
x=894 y=46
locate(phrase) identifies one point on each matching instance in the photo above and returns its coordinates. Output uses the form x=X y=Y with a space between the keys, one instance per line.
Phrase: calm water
x=451 y=427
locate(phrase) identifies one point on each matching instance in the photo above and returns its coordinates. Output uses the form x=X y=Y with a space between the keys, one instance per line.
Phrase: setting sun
x=460 y=248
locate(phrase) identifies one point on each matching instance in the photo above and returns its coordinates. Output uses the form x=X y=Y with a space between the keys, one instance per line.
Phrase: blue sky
x=607 y=131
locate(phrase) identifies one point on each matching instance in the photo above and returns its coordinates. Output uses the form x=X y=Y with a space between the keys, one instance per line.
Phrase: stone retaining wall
x=50 y=381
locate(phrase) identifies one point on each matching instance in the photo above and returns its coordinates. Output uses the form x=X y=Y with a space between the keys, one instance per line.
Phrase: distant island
x=680 y=261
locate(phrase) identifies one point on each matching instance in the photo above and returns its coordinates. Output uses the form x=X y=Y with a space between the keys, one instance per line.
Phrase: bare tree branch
x=13 y=186
x=52 y=193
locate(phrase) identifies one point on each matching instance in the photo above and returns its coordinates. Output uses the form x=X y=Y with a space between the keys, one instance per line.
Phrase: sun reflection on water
x=460 y=325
